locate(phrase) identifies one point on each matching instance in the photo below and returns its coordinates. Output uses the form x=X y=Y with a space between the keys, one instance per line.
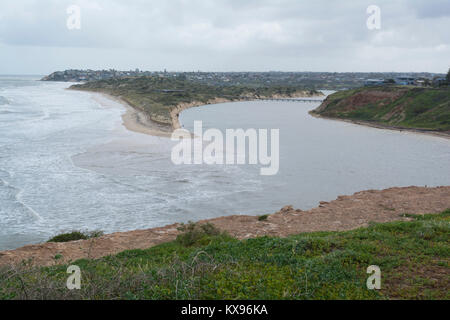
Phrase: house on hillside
x=438 y=81
x=405 y=81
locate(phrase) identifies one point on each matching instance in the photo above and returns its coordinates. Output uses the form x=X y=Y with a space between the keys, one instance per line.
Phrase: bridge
x=290 y=99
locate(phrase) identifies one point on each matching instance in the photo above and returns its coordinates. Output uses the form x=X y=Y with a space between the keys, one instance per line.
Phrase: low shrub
x=76 y=235
x=197 y=234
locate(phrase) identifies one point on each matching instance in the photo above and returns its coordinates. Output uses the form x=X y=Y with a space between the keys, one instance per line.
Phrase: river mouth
x=67 y=163
x=321 y=159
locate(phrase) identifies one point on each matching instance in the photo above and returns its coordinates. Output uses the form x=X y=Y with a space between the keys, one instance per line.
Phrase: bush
x=76 y=235
x=263 y=218
x=194 y=233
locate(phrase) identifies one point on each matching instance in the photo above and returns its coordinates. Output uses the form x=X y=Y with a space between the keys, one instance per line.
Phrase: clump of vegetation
x=76 y=235
x=263 y=217
x=197 y=234
x=414 y=258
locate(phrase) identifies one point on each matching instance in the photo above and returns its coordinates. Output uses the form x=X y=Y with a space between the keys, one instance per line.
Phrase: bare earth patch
x=403 y=282
x=344 y=213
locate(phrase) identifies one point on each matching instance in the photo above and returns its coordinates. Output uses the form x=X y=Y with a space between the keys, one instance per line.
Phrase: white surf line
x=31 y=210
x=19 y=199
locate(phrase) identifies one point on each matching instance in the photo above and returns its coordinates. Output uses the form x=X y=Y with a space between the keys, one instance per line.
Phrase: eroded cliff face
x=175 y=111
x=343 y=102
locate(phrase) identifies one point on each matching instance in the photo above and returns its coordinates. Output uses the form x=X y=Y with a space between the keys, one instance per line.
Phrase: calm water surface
x=321 y=159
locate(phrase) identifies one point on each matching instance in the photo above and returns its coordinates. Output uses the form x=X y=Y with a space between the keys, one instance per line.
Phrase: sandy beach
x=137 y=121
x=133 y=119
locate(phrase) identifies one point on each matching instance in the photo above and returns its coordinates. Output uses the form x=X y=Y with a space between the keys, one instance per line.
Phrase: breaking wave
x=3 y=101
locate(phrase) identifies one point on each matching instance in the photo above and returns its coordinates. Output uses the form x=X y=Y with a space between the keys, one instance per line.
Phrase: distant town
x=409 y=81
x=313 y=80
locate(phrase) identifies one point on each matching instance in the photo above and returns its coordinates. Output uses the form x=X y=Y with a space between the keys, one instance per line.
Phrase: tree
x=448 y=76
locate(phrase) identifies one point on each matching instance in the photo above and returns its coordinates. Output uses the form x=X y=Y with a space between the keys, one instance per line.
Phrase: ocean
x=67 y=163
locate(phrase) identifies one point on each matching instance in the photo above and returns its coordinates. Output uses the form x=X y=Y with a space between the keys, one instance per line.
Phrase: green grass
x=151 y=95
x=418 y=108
x=413 y=256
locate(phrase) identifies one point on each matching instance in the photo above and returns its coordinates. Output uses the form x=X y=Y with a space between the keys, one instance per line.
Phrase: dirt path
x=344 y=213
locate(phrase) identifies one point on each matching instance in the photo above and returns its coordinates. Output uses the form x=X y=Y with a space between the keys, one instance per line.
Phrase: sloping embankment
x=344 y=213
x=424 y=110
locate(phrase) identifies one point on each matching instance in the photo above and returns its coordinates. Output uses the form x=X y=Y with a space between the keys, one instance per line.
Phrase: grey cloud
x=228 y=34
x=432 y=9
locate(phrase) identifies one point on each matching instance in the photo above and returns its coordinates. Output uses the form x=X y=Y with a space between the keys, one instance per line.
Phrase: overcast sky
x=224 y=35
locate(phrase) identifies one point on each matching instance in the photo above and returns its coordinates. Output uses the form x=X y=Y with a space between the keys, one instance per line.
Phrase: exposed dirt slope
x=344 y=213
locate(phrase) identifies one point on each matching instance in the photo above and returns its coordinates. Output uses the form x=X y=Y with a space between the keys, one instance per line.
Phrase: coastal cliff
x=344 y=213
x=392 y=107
x=268 y=257
x=162 y=99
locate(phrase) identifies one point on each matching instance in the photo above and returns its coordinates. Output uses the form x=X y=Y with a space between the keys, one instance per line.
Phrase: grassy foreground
x=404 y=107
x=413 y=256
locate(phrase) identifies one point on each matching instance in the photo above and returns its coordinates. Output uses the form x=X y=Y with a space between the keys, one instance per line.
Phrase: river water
x=67 y=163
